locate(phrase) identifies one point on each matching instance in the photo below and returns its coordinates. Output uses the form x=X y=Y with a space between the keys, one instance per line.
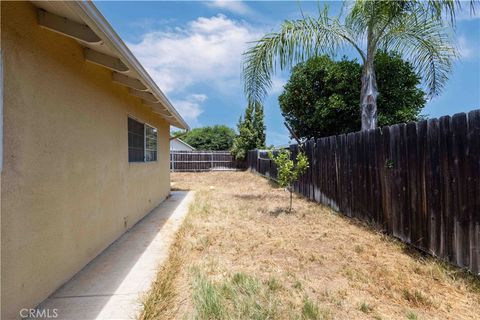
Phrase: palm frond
x=439 y=7
x=447 y=8
x=296 y=42
x=424 y=42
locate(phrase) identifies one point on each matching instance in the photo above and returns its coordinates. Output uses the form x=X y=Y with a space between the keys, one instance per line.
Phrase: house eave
x=111 y=42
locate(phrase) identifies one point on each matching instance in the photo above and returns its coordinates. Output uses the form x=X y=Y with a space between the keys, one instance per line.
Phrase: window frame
x=145 y=124
x=145 y=143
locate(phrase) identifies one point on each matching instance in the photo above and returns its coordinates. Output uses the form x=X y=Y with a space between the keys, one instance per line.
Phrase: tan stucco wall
x=67 y=186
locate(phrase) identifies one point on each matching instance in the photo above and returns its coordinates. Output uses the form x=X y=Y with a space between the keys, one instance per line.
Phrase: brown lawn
x=239 y=255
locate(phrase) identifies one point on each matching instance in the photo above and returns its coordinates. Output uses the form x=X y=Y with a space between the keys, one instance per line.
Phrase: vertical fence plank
x=412 y=172
x=380 y=172
x=373 y=172
x=403 y=178
x=318 y=164
x=474 y=188
x=387 y=181
x=459 y=126
x=351 y=173
x=447 y=194
x=394 y=164
x=433 y=185
x=309 y=152
x=343 y=173
x=422 y=218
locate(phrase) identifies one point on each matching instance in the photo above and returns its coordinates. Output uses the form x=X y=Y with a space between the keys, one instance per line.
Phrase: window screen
x=150 y=143
x=136 y=141
x=142 y=142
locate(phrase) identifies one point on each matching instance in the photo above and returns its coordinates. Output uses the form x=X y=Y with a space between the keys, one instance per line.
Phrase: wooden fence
x=419 y=182
x=197 y=160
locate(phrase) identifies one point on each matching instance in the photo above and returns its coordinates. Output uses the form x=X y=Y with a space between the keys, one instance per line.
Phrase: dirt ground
x=240 y=255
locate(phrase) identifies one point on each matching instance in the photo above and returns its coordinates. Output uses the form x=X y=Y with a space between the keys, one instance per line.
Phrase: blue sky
x=192 y=49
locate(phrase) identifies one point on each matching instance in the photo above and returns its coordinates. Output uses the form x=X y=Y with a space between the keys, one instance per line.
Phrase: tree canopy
x=251 y=131
x=217 y=137
x=322 y=96
x=415 y=29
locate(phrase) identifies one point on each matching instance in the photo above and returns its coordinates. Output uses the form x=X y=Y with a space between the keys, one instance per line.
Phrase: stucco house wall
x=67 y=188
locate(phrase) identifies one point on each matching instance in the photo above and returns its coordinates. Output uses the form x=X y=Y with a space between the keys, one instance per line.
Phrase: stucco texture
x=67 y=188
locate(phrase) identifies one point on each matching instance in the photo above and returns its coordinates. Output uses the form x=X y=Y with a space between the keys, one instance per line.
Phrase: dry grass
x=240 y=256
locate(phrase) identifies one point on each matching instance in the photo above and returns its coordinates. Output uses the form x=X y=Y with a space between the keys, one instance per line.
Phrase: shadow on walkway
x=111 y=285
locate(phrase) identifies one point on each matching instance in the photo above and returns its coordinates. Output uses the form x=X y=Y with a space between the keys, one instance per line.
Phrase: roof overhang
x=82 y=21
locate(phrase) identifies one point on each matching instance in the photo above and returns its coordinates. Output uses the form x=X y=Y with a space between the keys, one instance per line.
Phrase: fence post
x=172 y=155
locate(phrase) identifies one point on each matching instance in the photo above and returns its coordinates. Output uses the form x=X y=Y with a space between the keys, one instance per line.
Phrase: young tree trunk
x=368 y=96
x=291 y=196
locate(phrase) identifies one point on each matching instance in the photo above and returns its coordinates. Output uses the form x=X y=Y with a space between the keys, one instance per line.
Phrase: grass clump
x=310 y=310
x=208 y=299
x=417 y=298
x=297 y=285
x=239 y=297
x=358 y=249
x=273 y=284
x=242 y=296
x=412 y=316
x=365 y=307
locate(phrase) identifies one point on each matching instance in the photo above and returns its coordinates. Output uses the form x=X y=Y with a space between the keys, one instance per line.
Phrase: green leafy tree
x=400 y=97
x=217 y=137
x=321 y=97
x=289 y=171
x=259 y=125
x=414 y=29
x=251 y=131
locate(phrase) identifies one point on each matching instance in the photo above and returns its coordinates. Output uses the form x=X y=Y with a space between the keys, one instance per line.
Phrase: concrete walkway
x=111 y=286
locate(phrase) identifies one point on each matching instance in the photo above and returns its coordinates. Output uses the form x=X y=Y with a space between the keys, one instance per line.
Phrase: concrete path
x=111 y=286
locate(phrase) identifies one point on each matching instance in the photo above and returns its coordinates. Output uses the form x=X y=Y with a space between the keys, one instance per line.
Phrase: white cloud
x=190 y=107
x=464 y=48
x=237 y=7
x=465 y=14
x=206 y=51
x=277 y=85
x=147 y=24
x=198 y=97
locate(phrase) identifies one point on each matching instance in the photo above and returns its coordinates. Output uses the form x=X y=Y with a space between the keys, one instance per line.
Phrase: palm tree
x=414 y=29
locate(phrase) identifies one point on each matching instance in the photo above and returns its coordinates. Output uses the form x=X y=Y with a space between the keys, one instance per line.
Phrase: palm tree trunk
x=368 y=96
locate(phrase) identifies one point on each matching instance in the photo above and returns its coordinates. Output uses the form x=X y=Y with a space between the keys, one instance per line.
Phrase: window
x=142 y=142
x=150 y=143
x=136 y=141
